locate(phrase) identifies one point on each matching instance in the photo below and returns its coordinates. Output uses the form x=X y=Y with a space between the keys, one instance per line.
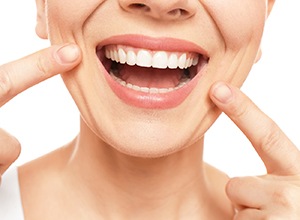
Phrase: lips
x=151 y=73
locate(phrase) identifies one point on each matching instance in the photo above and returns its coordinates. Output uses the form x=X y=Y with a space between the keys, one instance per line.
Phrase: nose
x=161 y=9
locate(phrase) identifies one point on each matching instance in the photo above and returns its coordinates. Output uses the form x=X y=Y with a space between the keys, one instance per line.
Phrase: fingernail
x=68 y=53
x=222 y=92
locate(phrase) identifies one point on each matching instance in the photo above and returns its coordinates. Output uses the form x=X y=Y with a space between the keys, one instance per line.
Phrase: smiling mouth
x=150 y=71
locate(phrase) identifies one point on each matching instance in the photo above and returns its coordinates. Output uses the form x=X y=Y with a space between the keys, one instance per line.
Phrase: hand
x=19 y=75
x=275 y=195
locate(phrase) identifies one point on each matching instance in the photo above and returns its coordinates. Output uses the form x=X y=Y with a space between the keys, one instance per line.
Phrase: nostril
x=178 y=12
x=139 y=6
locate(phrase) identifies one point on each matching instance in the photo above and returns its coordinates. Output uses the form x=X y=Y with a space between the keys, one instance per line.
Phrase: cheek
x=68 y=16
x=239 y=21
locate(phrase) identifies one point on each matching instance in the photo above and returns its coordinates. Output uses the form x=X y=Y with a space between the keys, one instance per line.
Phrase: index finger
x=21 y=74
x=278 y=153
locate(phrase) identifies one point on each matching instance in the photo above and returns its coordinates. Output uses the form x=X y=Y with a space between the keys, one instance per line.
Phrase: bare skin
x=272 y=195
x=105 y=173
x=143 y=197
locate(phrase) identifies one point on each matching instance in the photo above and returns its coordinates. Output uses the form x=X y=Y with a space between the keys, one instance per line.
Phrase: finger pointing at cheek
x=21 y=74
x=278 y=153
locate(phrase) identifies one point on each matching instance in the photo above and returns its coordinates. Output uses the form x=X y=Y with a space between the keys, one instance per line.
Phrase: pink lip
x=153 y=100
x=157 y=44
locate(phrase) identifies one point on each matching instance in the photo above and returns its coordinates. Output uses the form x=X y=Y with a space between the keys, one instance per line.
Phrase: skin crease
x=116 y=168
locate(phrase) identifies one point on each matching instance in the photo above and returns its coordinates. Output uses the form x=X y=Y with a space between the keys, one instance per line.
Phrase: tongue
x=151 y=77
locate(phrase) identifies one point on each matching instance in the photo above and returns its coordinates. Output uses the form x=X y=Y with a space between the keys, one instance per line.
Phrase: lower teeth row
x=183 y=82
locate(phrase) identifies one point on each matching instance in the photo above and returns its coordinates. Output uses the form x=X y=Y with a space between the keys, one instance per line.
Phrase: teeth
x=182 y=61
x=173 y=61
x=160 y=60
x=182 y=82
x=122 y=56
x=131 y=58
x=147 y=58
x=144 y=58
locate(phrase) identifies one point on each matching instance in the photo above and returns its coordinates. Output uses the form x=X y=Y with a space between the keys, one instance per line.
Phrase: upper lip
x=155 y=44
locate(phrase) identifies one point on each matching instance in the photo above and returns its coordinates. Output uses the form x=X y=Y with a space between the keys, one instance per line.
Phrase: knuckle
x=42 y=65
x=238 y=110
x=6 y=84
x=273 y=137
x=284 y=196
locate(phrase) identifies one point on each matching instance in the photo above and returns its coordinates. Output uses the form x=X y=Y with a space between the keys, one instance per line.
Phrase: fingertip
x=221 y=92
x=231 y=186
x=67 y=54
x=10 y=149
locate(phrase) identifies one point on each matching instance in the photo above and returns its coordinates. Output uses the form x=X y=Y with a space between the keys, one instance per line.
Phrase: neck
x=173 y=184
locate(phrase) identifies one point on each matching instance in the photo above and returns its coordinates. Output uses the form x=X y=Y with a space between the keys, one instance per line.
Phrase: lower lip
x=152 y=100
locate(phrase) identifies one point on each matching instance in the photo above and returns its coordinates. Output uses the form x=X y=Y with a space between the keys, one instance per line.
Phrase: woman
x=146 y=102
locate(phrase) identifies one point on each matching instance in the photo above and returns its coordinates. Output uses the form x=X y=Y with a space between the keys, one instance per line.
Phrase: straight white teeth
x=148 y=58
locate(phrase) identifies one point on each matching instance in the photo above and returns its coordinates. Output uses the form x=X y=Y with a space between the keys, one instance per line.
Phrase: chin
x=146 y=143
x=148 y=151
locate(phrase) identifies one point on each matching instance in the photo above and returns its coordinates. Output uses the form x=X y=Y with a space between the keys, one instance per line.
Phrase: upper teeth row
x=147 y=58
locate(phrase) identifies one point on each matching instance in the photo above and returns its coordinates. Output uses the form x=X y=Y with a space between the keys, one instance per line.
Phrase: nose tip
x=162 y=9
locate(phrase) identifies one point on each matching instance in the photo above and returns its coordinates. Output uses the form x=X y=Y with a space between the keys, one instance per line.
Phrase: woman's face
x=147 y=67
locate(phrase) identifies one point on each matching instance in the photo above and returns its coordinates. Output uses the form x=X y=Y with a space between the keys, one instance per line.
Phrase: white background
x=45 y=117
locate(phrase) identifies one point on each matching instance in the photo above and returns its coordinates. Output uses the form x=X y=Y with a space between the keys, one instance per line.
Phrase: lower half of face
x=147 y=67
